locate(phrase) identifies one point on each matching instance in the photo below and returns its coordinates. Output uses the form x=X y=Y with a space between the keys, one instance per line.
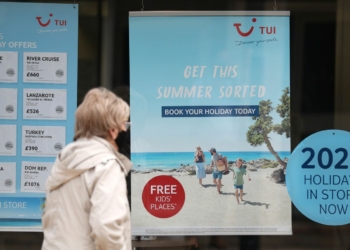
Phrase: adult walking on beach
x=86 y=196
x=238 y=173
x=199 y=158
x=217 y=175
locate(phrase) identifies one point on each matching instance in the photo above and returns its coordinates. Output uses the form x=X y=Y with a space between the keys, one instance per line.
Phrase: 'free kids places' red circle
x=163 y=196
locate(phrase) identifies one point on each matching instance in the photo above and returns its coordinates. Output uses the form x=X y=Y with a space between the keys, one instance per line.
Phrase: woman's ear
x=113 y=132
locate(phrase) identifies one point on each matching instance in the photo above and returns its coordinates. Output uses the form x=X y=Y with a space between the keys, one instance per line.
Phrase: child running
x=238 y=173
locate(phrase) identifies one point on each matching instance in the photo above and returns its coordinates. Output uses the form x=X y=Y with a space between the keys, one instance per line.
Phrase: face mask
x=123 y=142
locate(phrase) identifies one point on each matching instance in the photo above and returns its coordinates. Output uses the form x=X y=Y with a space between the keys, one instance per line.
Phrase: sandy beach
x=266 y=204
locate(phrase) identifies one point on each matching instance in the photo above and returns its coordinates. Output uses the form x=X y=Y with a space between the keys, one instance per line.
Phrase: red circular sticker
x=163 y=196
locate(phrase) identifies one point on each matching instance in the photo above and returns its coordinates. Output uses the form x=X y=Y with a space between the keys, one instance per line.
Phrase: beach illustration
x=264 y=198
x=266 y=208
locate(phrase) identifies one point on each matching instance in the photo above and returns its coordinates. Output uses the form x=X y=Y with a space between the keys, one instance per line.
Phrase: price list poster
x=214 y=80
x=38 y=99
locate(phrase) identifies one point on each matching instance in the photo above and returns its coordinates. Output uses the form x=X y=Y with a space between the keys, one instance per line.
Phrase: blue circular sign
x=318 y=177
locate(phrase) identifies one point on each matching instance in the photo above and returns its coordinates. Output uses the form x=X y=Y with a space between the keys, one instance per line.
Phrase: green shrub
x=271 y=164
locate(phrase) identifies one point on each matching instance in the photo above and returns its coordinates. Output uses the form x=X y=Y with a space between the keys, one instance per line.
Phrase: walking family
x=216 y=161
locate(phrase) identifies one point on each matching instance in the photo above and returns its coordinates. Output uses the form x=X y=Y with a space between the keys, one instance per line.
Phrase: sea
x=11 y=223
x=174 y=160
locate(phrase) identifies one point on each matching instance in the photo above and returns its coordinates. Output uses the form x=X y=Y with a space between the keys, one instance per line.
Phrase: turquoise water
x=170 y=160
x=19 y=223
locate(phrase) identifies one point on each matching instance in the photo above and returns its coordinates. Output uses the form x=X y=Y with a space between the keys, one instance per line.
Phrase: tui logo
x=263 y=29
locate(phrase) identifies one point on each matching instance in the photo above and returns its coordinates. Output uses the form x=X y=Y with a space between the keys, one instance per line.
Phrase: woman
x=200 y=160
x=86 y=197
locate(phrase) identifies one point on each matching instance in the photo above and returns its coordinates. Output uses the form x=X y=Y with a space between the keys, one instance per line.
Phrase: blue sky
x=160 y=50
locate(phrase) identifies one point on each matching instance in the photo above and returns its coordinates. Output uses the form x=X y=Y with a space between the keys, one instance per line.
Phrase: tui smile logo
x=43 y=24
x=264 y=30
x=58 y=22
x=244 y=34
